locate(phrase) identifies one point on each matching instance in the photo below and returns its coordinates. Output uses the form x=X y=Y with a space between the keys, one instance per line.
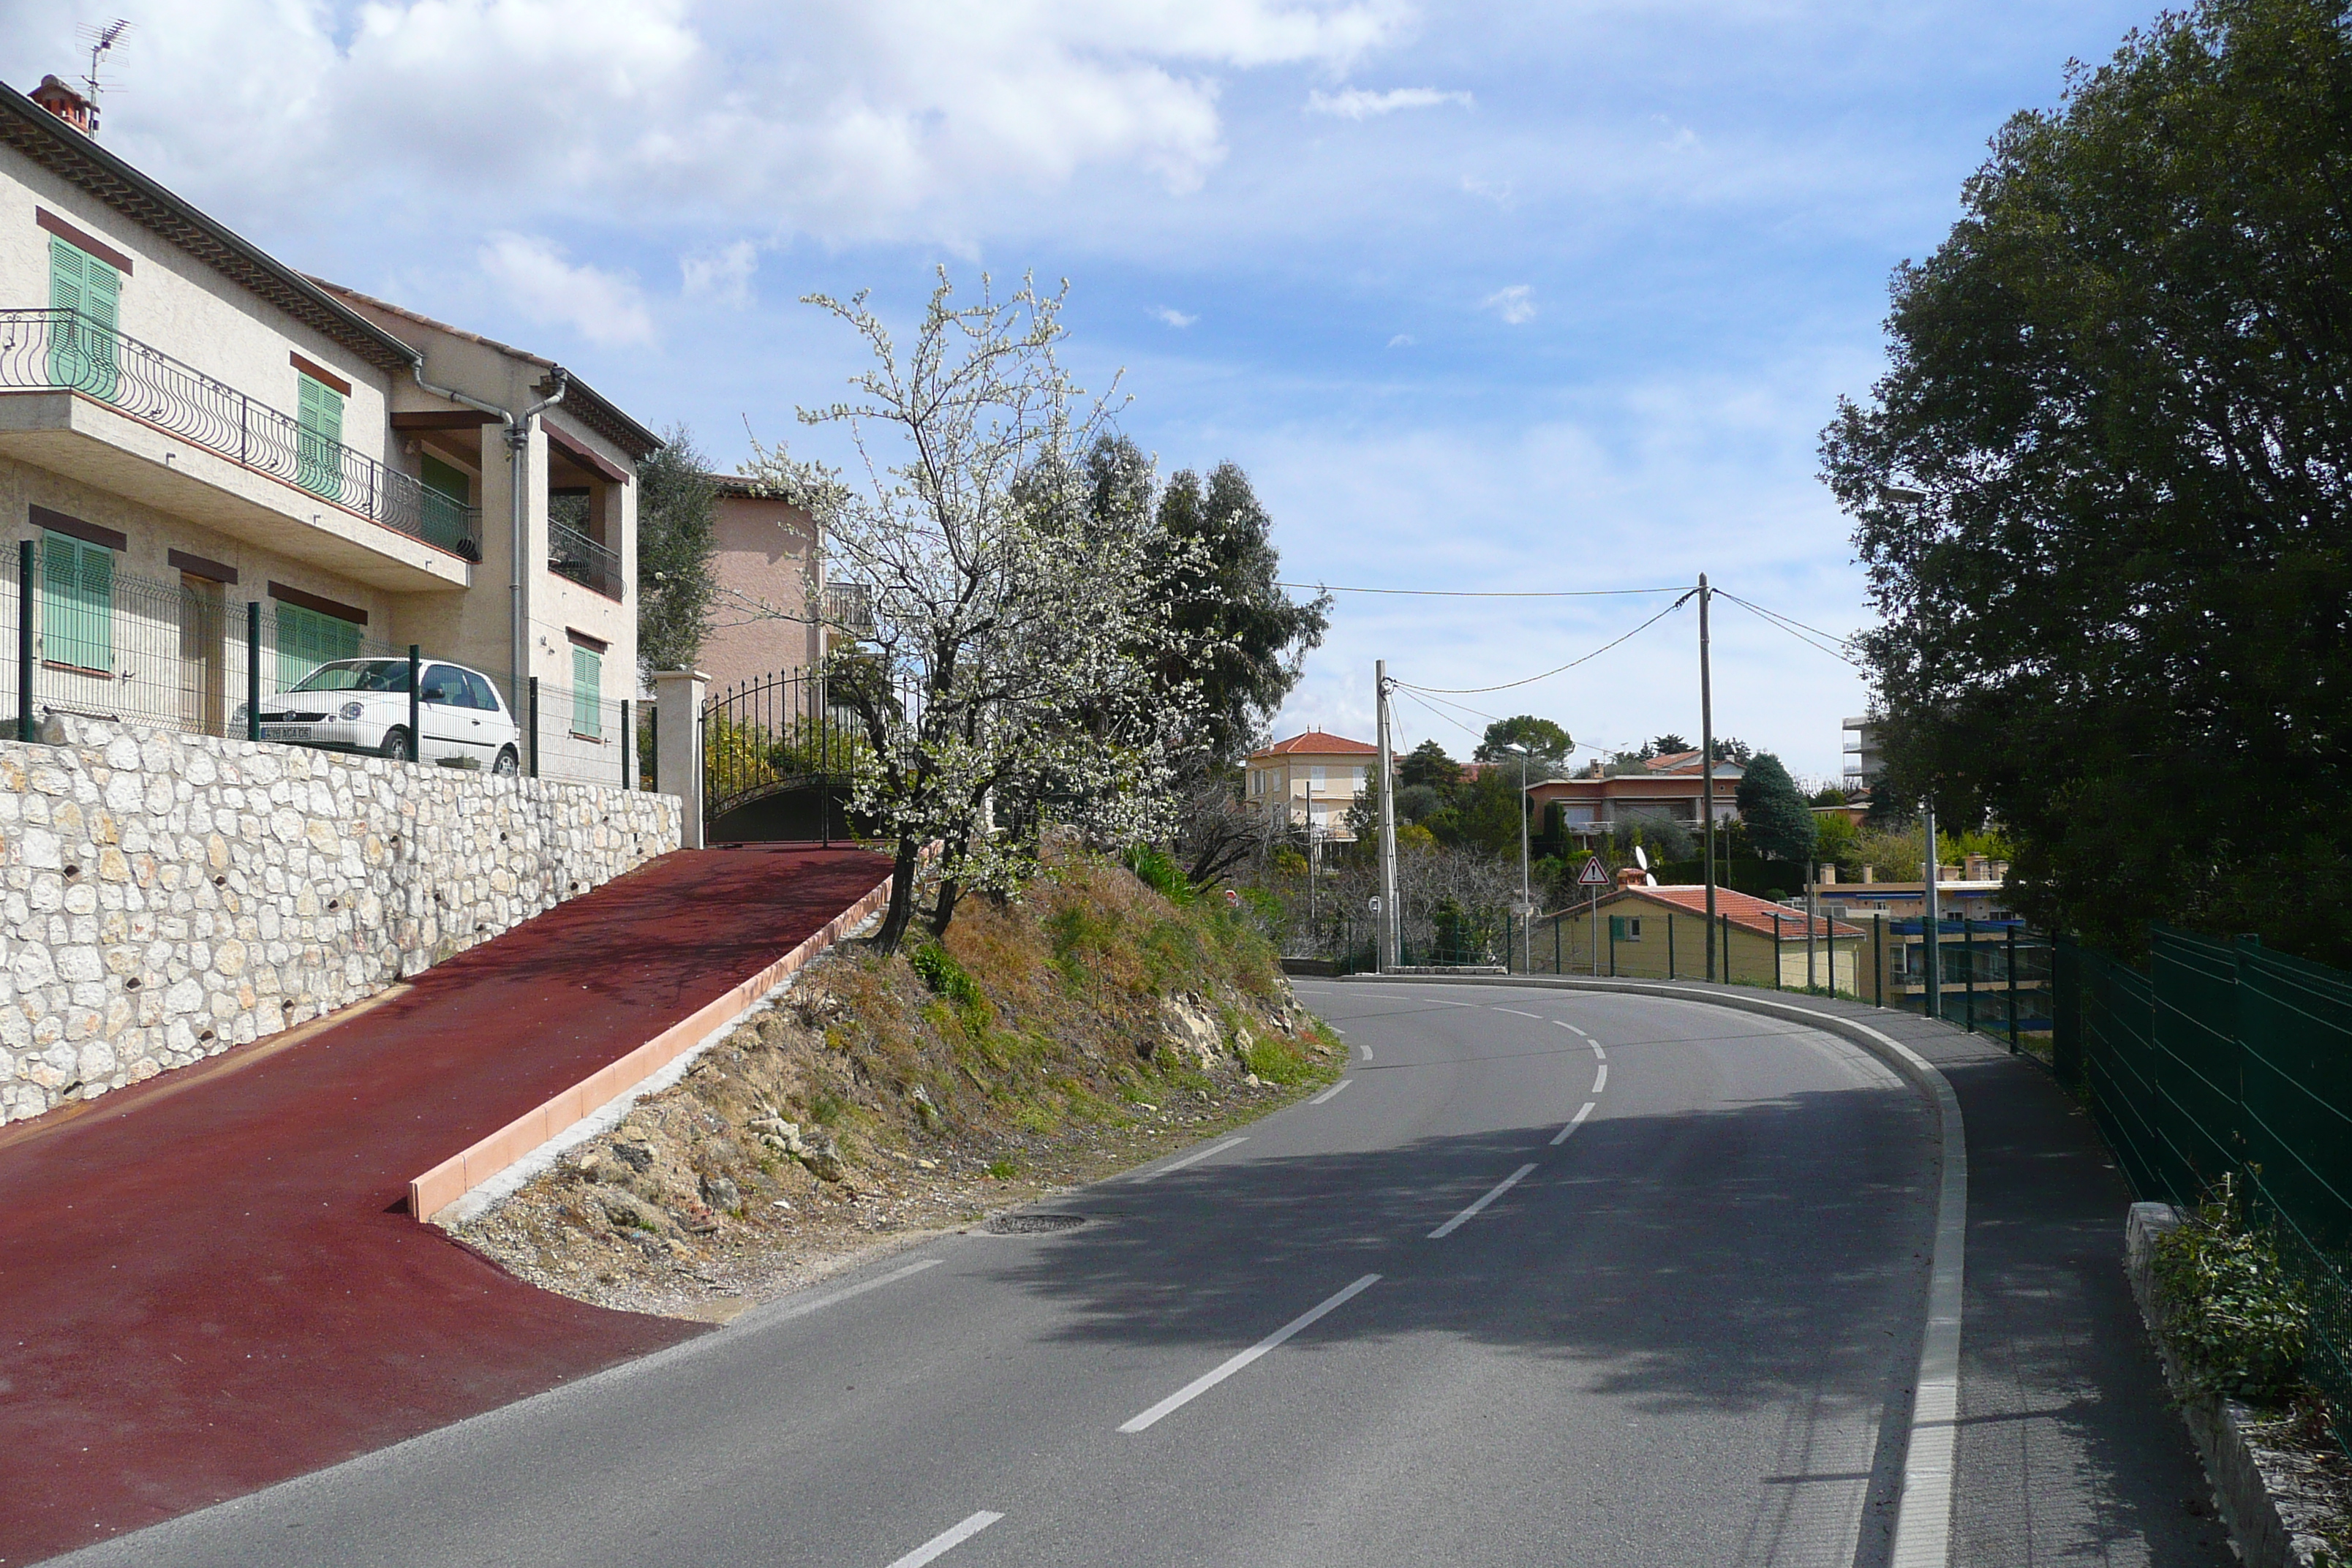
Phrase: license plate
x=286 y=732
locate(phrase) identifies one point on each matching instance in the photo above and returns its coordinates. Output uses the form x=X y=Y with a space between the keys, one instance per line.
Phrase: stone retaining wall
x=164 y=897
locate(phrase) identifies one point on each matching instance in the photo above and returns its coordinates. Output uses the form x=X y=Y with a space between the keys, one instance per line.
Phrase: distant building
x=1311 y=781
x=769 y=563
x=1670 y=787
x=1655 y=932
x=1863 y=762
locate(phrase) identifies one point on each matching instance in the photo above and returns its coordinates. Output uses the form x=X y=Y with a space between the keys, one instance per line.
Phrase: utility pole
x=1388 y=927
x=1933 y=927
x=1812 y=913
x=1706 y=774
x=1527 y=895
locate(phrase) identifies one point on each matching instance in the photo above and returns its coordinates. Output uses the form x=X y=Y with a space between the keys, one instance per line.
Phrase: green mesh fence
x=2229 y=1059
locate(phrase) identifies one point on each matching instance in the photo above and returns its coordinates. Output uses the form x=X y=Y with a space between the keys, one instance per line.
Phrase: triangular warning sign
x=1592 y=876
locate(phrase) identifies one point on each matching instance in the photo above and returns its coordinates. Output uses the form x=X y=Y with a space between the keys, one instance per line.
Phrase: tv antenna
x=101 y=41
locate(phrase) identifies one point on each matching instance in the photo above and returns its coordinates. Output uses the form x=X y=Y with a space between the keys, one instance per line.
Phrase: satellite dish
x=1649 y=880
x=1641 y=858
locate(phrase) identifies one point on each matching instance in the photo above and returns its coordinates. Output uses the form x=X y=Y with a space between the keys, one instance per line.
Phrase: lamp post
x=1527 y=897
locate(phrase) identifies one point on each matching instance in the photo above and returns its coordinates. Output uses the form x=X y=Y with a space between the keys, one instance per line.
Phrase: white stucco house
x=191 y=428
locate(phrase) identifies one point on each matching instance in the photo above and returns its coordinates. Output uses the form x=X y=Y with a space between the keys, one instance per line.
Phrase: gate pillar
x=677 y=761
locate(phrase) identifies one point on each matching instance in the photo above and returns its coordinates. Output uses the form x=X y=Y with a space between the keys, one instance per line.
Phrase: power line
x=1797 y=630
x=1572 y=664
x=1470 y=594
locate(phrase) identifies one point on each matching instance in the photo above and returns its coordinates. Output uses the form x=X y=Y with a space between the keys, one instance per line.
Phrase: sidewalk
x=210 y=1282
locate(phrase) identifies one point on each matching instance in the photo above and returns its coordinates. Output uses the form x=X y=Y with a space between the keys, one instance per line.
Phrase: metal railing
x=572 y=553
x=2228 y=1060
x=67 y=351
x=850 y=607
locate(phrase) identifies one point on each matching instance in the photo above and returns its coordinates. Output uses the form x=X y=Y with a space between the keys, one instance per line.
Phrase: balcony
x=269 y=475
x=572 y=553
x=849 y=607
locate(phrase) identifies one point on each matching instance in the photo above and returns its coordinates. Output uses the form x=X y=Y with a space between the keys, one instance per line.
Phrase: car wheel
x=508 y=765
x=395 y=745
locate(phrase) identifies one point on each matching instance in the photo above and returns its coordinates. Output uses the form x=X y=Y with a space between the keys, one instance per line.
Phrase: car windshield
x=357 y=675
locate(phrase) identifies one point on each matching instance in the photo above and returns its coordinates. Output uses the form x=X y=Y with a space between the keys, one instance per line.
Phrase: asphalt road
x=1431 y=1316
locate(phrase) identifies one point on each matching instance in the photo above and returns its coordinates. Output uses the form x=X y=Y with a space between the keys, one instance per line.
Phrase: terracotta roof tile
x=1316 y=742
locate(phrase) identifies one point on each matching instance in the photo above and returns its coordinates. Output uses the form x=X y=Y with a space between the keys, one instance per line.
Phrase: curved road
x=1548 y=1278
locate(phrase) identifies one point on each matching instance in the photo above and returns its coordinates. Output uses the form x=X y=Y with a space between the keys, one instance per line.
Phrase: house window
x=587 y=686
x=308 y=638
x=1624 y=928
x=319 y=438
x=82 y=344
x=76 y=603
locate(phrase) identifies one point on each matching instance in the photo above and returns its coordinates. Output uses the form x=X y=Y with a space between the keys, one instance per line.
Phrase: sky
x=1485 y=298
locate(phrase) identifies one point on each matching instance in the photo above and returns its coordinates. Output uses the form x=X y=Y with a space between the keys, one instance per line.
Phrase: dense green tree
x=1779 y=822
x=1549 y=746
x=1238 y=634
x=1427 y=764
x=2102 y=494
x=677 y=506
x=1667 y=744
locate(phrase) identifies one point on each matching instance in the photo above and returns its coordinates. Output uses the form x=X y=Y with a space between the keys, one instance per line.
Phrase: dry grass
x=870 y=1107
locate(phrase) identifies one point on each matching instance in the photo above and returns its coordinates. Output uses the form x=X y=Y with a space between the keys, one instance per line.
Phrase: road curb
x=1923 y=1524
x=454 y=1177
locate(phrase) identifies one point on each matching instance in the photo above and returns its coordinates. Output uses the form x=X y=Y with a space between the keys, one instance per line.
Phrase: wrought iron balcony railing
x=850 y=607
x=572 y=553
x=67 y=351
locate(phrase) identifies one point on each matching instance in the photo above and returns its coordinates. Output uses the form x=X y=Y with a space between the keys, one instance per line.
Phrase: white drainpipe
x=517 y=437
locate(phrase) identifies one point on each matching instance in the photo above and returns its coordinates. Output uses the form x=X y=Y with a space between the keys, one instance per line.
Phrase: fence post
x=415 y=704
x=253 y=670
x=1507 y=941
x=2065 y=1010
x=1612 y=947
x=1878 y=960
x=1776 y=952
x=1727 y=947
x=651 y=766
x=677 y=710
x=1557 y=964
x=1969 y=969
x=534 y=726
x=628 y=730
x=2012 y=989
x=24 y=640
x=1670 y=945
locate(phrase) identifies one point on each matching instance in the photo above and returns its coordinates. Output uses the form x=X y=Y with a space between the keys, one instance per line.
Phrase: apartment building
x=222 y=462
x=1673 y=788
x=1311 y=781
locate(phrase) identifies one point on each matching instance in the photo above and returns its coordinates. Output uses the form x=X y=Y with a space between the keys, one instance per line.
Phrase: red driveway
x=209 y=1282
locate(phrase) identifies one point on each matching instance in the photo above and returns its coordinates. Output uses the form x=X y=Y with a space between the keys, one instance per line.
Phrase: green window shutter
x=319 y=440
x=587 y=692
x=82 y=351
x=307 y=639
x=76 y=603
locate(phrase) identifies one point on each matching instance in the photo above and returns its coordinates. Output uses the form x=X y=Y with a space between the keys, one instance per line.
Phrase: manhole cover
x=1031 y=1224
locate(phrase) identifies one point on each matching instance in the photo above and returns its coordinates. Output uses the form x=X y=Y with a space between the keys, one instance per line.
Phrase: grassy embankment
x=1092 y=1025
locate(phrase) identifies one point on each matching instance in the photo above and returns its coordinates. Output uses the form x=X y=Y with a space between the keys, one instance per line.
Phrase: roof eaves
x=581 y=401
x=67 y=153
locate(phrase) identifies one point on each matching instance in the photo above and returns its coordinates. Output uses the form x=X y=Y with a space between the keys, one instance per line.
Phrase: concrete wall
x=764 y=555
x=164 y=897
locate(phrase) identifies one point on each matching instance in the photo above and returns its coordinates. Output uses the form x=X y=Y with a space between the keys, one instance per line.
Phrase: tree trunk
x=944 y=910
x=902 y=908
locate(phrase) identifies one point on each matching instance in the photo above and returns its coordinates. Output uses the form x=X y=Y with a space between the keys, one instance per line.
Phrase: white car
x=361 y=705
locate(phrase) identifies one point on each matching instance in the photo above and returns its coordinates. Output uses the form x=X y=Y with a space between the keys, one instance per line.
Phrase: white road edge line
x=803 y=1308
x=1194 y=1158
x=1923 y=1518
x=1367 y=1050
x=1504 y=1185
x=1598 y=1054
x=1574 y=1122
x=1570 y=1027
x=1330 y=1091
x=947 y=1540
x=1209 y=1380
x=1601 y=1077
x=1515 y=1013
x=1337 y=1030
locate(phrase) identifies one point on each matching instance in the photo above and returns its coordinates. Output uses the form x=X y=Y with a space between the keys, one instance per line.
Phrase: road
x=1548 y=1278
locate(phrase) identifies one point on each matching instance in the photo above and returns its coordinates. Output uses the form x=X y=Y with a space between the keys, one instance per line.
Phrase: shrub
x=2238 y=1321
x=1156 y=871
x=943 y=974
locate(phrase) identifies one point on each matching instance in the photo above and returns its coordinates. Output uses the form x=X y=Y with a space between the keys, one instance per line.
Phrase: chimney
x=1829 y=875
x=67 y=105
x=1869 y=873
x=1628 y=876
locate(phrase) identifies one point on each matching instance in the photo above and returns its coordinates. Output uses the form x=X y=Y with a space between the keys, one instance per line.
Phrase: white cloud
x=1355 y=103
x=1515 y=304
x=1496 y=191
x=848 y=120
x=603 y=307
x=1174 y=318
x=722 y=275
x=1405 y=340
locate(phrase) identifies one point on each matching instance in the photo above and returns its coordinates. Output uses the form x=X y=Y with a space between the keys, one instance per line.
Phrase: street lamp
x=1527 y=898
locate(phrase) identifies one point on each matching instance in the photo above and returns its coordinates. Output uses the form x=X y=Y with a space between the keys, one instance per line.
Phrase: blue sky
x=1485 y=299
